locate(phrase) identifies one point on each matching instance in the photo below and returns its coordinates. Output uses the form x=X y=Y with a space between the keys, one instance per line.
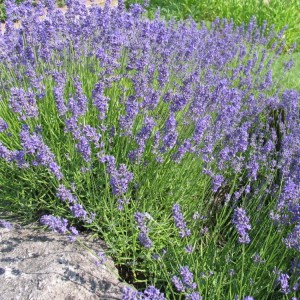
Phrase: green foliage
x=291 y=80
x=31 y=193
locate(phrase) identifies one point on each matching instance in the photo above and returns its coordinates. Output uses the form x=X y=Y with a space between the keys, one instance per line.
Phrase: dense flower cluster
x=223 y=102
x=56 y=224
x=59 y=225
x=151 y=293
x=293 y=239
x=162 y=92
x=34 y=146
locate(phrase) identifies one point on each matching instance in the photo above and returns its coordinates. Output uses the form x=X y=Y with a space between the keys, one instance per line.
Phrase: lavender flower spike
x=56 y=224
x=3 y=125
x=179 y=221
x=186 y=282
x=143 y=235
x=193 y=296
x=241 y=222
x=151 y=293
x=283 y=279
x=5 y=224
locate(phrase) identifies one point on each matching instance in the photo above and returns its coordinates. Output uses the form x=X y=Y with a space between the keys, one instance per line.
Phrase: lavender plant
x=157 y=137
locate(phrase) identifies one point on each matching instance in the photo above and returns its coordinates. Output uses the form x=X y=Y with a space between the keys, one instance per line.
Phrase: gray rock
x=35 y=264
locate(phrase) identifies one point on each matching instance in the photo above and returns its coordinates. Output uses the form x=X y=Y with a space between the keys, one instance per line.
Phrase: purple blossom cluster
x=151 y=293
x=23 y=103
x=34 y=146
x=101 y=258
x=77 y=209
x=17 y=156
x=140 y=218
x=56 y=224
x=119 y=178
x=59 y=225
x=3 y=125
x=242 y=224
x=6 y=224
x=283 y=280
x=198 y=83
x=179 y=221
x=185 y=283
x=191 y=90
x=293 y=239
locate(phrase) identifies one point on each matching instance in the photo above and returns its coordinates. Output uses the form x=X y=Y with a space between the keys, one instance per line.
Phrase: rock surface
x=40 y=265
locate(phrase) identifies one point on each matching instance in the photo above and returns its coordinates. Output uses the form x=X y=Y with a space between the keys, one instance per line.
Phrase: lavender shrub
x=106 y=115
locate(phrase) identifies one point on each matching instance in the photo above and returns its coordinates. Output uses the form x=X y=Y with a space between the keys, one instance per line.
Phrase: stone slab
x=41 y=265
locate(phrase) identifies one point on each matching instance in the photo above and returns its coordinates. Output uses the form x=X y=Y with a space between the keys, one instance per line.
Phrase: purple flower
x=34 y=145
x=143 y=235
x=141 y=137
x=170 y=137
x=102 y=258
x=3 y=125
x=23 y=103
x=91 y=134
x=56 y=224
x=241 y=222
x=122 y=202
x=187 y=277
x=293 y=239
x=74 y=232
x=186 y=282
x=151 y=293
x=79 y=211
x=178 y=284
x=5 y=153
x=257 y=259
x=58 y=92
x=80 y=96
x=100 y=101
x=145 y=240
x=217 y=182
x=248 y=298
x=65 y=195
x=179 y=221
x=120 y=179
x=84 y=148
x=283 y=280
x=189 y=248
x=6 y=224
x=129 y=294
x=140 y=219
x=193 y=296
